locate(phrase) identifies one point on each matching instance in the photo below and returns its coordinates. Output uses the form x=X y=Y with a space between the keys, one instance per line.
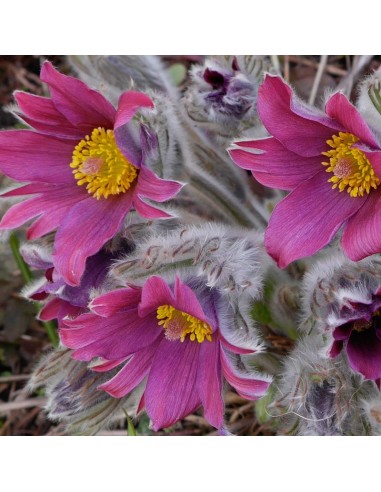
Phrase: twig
x=319 y=74
x=18 y=405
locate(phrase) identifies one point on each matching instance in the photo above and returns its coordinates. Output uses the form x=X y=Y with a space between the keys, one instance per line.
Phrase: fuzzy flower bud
x=222 y=98
x=343 y=301
x=369 y=101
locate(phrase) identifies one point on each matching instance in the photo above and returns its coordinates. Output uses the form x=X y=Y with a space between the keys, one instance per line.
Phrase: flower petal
x=342 y=332
x=115 y=301
x=132 y=373
x=129 y=103
x=111 y=338
x=245 y=383
x=297 y=127
x=41 y=113
x=171 y=391
x=209 y=383
x=155 y=293
x=336 y=348
x=362 y=232
x=364 y=353
x=151 y=186
x=81 y=105
x=29 y=156
x=339 y=108
x=276 y=166
x=53 y=204
x=186 y=301
x=148 y=211
x=307 y=219
x=85 y=229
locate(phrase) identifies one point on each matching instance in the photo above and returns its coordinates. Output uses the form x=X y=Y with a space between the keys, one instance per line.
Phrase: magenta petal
x=294 y=126
x=244 y=383
x=84 y=230
x=336 y=348
x=307 y=219
x=171 y=391
x=148 y=211
x=375 y=160
x=151 y=186
x=132 y=374
x=342 y=332
x=51 y=309
x=362 y=233
x=155 y=293
x=53 y=204
x=41 y=113
x=29 y=156
x=111 y=338
x=339 y=108
x=276 y=166
x=186 y=301
x=364 y=353
x=128 y=105
x=108 y=365
x=115 y=301
x=81 y=105
x=209 y=383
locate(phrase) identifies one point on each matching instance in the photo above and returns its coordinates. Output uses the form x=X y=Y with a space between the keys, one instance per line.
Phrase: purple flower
x=86 y=165
x=359 y=334
x=172 y=336
x=331 y=163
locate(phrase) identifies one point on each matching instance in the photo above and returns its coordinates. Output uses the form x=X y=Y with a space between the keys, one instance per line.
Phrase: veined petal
x=132 y=373
x=296 y=127
x=339 y=108
x=362 y=232
x=186 y=301
x=115 y=301
x=111 y=338
x=149 y=211
x=29 y=156
x=364 y=353
x=129 y=103
x=276 y=166
x=81 y=105
x=209 y=383
x=41 y=113
x=244 y=383
x=307 y=219
x=155 y=293
x=85 y=229
x=151 y=186
x=171 y=392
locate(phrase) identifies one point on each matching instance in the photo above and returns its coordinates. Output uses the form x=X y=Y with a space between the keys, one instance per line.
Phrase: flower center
x=98 y=163
x=178 y=325
x=350 y=167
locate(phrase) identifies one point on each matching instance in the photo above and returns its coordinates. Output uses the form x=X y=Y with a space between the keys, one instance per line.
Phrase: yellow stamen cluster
x=350 y=167
x=98 y=163
x=178 y=325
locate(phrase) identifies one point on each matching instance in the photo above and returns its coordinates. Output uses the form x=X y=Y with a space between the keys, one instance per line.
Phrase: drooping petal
x=132 y=373
x=29 y=156
x=171 y=392
x=339 y=108
x=307 y=219
x=108 y=365
x=52 y=203
x=57 y=309
x=151 y=186
x=342 y=332
x=362 y=232
x=336 y=348
x=115 y=301
x=149 y=211
x=129 y=103
x=82 y=106
x=276 y=166
x=296 y=127
x=41 y=113
x=209 y=383
x=84 y=230
x=110 y=338
x=155 y=293
x=186 y=301
x=244 y=383
x=364 y=353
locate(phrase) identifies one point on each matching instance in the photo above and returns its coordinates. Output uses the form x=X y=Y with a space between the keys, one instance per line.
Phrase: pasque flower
x=175 y=336
x=330 y=161
x=85 y=162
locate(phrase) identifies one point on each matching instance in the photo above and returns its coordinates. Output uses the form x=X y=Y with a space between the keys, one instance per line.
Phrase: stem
x=49 y=326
